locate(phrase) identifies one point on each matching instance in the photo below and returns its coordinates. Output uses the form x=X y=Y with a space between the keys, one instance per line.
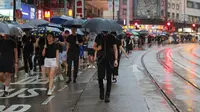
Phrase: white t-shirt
x=91 y=39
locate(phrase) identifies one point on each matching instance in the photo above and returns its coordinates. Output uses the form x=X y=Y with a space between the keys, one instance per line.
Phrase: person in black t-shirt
x=41 y=43
x=27 y=54
x=51 y=54
x=107 y=59
x=74 y=42
x=8 y=60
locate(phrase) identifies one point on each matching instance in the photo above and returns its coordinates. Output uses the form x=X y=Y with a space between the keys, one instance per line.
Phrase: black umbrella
x=98 y=25
x=73 y=23
x=115 y=26
x=38 y=22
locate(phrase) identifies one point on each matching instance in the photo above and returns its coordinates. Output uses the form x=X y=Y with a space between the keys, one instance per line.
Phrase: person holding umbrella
x=107 y=57
x=74 y=42
x=51 y=62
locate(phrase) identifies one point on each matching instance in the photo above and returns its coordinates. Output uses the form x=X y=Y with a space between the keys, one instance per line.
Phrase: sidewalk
x=125 y=95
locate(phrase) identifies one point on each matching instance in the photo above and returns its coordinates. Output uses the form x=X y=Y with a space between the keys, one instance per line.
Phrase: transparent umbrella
x=4 y=29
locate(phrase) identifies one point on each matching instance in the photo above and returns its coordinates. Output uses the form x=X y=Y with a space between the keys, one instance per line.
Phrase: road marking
x=48 y=100
x=63 y=88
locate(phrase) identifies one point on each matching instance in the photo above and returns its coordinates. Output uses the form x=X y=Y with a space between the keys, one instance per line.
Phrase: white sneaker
x=16 y=75
x=53 y=88
x=93 y=67
x=49 y=92
x=89 y=66
x=6 y=88
x=61 y=77
x=26 y=75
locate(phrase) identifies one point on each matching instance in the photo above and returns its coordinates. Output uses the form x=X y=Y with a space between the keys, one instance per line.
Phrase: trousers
x=104 y=69
x=27 y=62
x=76 y=63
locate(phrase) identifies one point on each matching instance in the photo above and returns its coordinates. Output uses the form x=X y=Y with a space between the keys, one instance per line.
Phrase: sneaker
x=15 y=75
x=89 y=66
x=26 y=75
x=6 y=88
x=6 y=93
x=49 y=92
x=53 y=88
x=93 y=67
x=61 y=77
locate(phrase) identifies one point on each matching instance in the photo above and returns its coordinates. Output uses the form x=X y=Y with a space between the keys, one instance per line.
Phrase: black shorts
x=5 y=67
x=90 y=52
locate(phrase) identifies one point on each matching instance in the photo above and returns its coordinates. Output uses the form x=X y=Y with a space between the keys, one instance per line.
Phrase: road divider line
x=63 y=88
x=48 y=100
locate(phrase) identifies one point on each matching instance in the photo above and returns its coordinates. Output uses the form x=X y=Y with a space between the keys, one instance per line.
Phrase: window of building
x=169 y=5
x=124 y=11
x=195 y=5
x=177 y=16
x=190 y=4
x=169 y=14
x=173 y=15
x=198 y=5
x=124 y=2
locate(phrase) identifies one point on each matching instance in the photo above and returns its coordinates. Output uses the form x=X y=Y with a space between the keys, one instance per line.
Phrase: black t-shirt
x=74 y=48
x=107 y=43
x=61 y=39
x=7 y=50
x=28 y=47
x=51 y=50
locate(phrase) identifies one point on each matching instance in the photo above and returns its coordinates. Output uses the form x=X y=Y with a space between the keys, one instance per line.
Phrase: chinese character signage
x=79 y=8
x=28 y=11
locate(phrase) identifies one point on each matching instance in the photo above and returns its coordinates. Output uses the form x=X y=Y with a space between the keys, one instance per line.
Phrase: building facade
x=123 y=9
x=192 y=11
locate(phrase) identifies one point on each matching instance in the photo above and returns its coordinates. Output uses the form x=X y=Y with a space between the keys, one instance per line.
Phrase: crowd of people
x=53 y=55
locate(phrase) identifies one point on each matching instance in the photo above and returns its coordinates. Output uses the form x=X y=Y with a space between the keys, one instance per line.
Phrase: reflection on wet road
x=174 y=69
x=177 y=74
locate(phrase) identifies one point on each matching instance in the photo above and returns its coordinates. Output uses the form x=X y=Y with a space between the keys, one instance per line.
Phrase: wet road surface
x=174 y=68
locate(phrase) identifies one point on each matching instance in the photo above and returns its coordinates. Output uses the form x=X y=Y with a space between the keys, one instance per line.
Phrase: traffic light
x=169 y=25
x=194 y=27
x=136 y=25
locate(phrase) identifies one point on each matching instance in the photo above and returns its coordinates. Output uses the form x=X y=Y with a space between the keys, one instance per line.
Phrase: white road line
x=47 y=100
x=63 y=88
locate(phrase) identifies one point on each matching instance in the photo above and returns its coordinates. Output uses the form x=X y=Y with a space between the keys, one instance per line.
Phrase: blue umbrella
x=60 y=19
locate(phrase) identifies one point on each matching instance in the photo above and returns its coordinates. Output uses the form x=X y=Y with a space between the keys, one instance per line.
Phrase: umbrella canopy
x=25 y=26
x=143 y=32
x=78 y=31
x=75 y=22
x=115 y=26
x=38 y=22
x=15 y=31
x=53 y=29
x=97 y=25
x=60 y=19
x=135 y=33
x=4 y=29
